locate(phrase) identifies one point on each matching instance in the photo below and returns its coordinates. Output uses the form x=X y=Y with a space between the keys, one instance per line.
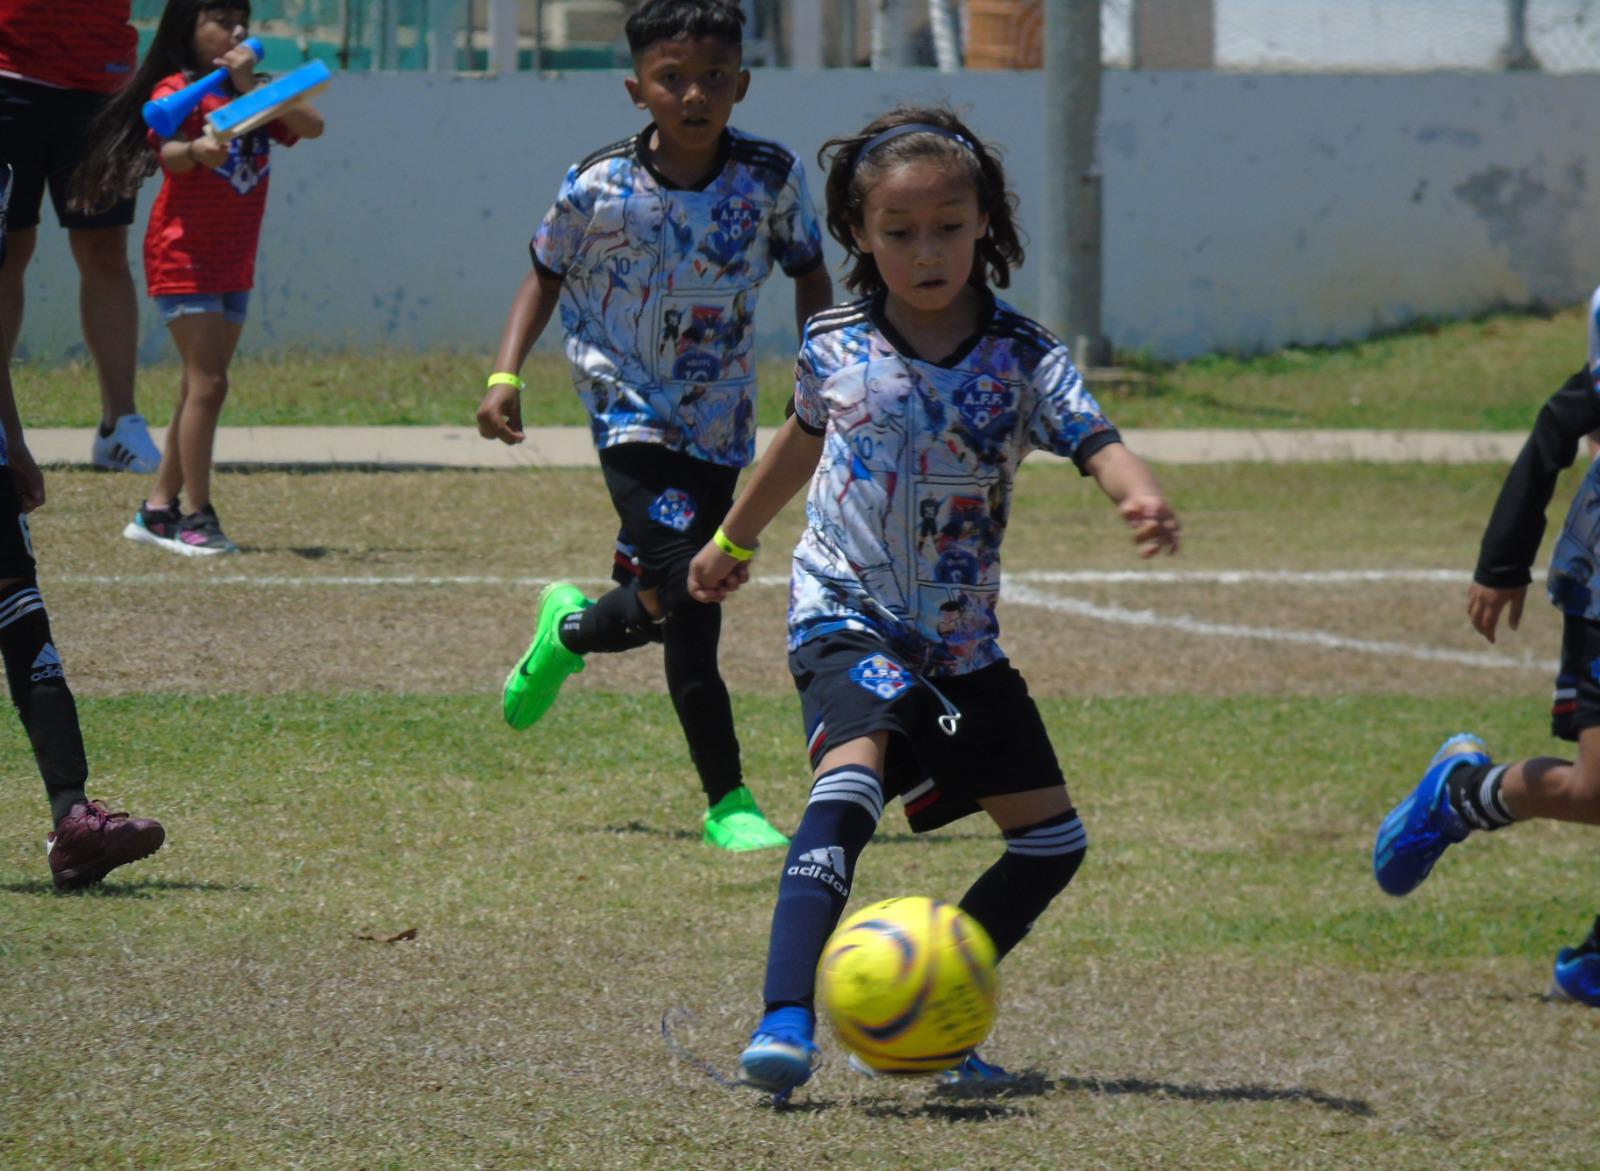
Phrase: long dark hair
x=119 y=157
x=851 y=178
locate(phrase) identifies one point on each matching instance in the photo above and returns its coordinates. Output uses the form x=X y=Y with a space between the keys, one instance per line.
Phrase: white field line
x=1317 y=638
x=1018 y=592
x=1040 y=576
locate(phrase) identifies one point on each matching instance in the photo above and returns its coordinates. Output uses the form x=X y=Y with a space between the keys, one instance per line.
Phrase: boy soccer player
x=89 y=840
x=655 y=249
x=1462 y=789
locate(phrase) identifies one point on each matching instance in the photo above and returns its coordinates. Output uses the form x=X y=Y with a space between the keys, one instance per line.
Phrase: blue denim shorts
x=232 y=306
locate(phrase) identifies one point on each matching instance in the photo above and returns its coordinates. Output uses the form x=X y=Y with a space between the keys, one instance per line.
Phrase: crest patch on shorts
x=882 y=676
x=673 y=508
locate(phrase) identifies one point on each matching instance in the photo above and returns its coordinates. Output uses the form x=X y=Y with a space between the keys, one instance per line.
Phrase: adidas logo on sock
x=830 y=856
x=825 y=864
x=47 y=665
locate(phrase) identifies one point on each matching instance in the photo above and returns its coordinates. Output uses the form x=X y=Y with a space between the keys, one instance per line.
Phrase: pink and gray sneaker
x=155 y=526
x=91 y=842
x=200 y=534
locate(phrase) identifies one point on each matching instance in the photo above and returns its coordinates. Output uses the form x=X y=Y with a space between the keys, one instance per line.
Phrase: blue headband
x=901 y=131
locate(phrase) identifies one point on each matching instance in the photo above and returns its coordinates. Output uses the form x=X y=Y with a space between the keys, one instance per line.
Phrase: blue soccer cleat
x=1578 y=974
x=972 y=1071
x=975 y=1071
x=1424 y=825
x=781 y=1053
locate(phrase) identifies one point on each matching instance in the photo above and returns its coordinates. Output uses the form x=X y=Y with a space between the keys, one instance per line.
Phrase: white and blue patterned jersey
x=659 y=287
x=910 y=499
x=1571 y=581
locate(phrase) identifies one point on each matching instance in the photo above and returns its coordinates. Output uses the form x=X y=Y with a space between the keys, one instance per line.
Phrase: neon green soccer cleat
x=536 y=680
x=735 y=823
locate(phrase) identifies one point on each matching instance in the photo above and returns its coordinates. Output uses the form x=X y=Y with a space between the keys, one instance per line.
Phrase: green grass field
x=1223 y=986
x=1483 y=375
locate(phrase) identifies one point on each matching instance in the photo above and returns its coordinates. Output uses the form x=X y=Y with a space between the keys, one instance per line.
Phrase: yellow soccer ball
x=909 y=985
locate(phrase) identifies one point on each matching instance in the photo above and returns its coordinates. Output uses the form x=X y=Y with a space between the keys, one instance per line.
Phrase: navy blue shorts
x=852 y=685
x=1576 y=702
x=43 y=135
x=669 y=504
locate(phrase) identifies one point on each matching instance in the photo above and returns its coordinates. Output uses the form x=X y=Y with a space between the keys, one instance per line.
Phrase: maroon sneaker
x=91 y=842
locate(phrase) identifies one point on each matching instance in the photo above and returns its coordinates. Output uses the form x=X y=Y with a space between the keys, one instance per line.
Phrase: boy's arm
x=500 y=411
x=1516 y=526
x=789 y=463
x=1127 y=479
x=813 y=292
x=29 y=480
x=1511 y=539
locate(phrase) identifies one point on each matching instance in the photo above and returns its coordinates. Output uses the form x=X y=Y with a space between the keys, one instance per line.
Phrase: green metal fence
x=403 y=34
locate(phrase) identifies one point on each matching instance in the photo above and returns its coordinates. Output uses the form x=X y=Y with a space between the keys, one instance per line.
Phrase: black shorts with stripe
x=852 y=685
x=16 y=544
x=1576 y=702
x=669 y=504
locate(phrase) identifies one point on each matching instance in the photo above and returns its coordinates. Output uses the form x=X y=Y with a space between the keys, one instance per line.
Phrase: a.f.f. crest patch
x=673 y=508
x=882 y=676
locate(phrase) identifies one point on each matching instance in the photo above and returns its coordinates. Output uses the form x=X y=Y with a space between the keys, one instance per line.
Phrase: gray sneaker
x=200 y=534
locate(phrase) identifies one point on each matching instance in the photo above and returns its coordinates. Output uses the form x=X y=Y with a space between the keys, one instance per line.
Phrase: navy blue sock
x=1038 y=863
x=846 y=803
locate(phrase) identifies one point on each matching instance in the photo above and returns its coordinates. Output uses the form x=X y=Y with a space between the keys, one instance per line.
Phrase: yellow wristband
x=737 y=552
x=506 y=377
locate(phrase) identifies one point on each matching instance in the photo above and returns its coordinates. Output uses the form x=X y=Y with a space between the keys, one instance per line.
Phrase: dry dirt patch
x=425 y=581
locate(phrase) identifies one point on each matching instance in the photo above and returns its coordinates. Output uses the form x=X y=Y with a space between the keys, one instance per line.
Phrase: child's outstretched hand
x=713 y=575
x=1155 y=526
x=500 y=414
x=1484 y=604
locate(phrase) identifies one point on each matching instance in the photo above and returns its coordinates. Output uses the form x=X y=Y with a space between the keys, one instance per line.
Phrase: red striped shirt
x=73 y=44
x=205 y=223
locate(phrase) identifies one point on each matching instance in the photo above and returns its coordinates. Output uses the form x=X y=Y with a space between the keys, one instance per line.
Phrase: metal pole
x=1072 y=270
x=1516 y=54
x=946 y=37
x=386 y=22
x=442 y=20
x=891 y=43
x=806 y=52
x=344 y=34
x=503 y=36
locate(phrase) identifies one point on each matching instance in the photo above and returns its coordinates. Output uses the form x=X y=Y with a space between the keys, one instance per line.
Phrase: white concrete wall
x=1242 y=212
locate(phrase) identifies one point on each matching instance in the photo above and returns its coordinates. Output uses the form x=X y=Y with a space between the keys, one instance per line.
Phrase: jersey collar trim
x=641 y=152
x=878 y=315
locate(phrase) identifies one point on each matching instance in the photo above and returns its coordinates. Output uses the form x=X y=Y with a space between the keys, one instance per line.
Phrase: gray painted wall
x=1242 y=212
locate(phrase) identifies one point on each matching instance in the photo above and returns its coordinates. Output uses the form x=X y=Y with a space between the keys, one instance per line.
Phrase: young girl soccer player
x=200 y=247
x=916 y=403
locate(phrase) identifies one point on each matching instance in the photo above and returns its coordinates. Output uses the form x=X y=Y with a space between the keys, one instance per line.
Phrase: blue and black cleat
x=1419 y=829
